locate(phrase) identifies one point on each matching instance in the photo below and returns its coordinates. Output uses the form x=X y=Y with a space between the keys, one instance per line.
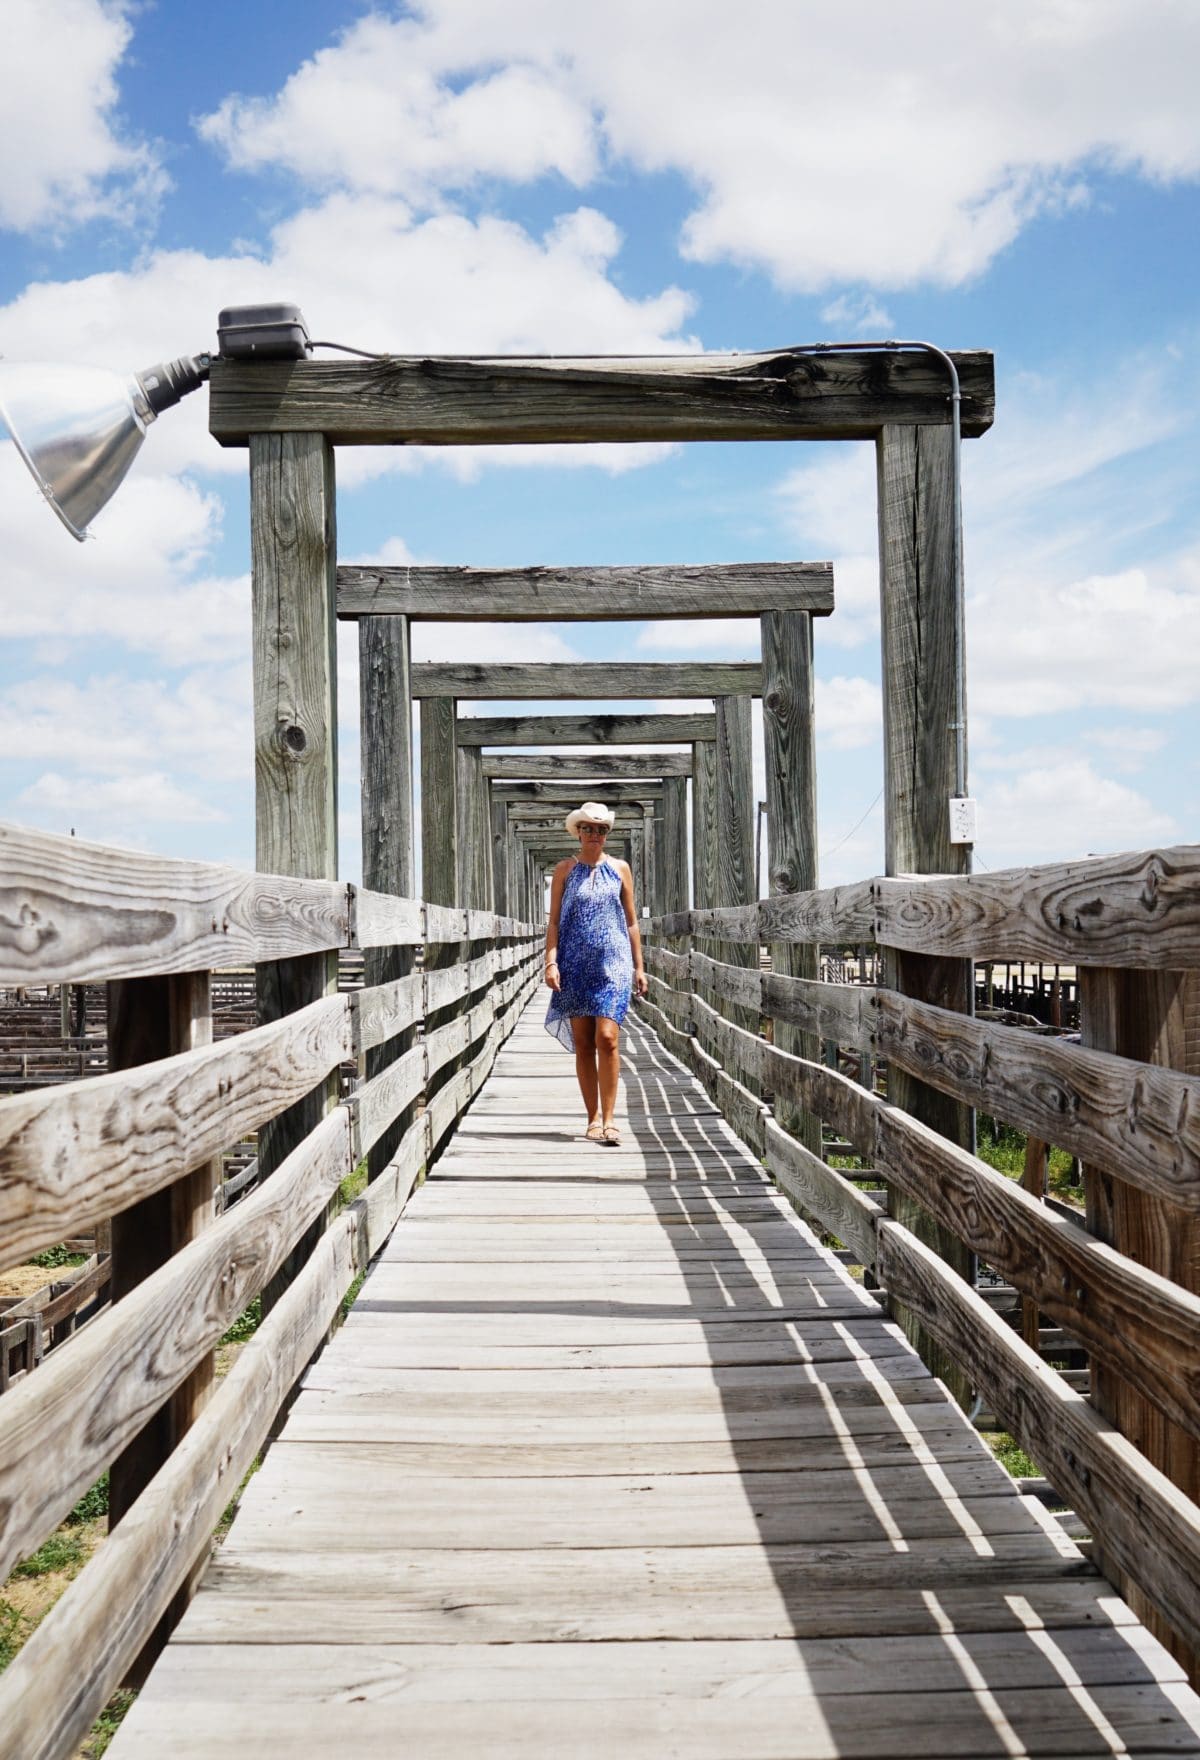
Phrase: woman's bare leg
x=583 y=1031
x=608 y=1058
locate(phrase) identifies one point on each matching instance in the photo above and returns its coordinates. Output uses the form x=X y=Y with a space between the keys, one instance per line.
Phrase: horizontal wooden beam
x=1141 y=909
x=556 y=766
x=544 y=681
x=585 y=730
x=786 y=394
x=584 y=595
x=72 y=911
x=80 y=1151
x=566 y=794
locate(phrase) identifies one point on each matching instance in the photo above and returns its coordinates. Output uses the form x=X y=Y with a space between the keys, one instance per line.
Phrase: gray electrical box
x=265 y=333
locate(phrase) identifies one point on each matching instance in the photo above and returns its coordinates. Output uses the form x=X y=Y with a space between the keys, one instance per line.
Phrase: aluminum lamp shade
x=78 y=430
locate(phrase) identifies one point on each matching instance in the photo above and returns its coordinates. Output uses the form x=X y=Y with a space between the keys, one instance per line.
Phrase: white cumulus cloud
x=843 y=143
x=65 y=157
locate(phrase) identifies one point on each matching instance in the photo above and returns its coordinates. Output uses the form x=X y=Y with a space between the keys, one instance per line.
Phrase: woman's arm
x=557 y=884
x=635 y=932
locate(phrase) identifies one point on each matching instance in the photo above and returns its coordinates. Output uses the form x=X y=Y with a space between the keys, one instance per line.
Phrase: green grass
x=1003 y=1148
x=226 y=1521
x=108 y=1723
x=1011 y=1456
x=11 y=1635
x=54 y=1258
x=58 y=1553
x=351 y=1295
x=353 y=1186
x=246 y=1324
x=93 y=1503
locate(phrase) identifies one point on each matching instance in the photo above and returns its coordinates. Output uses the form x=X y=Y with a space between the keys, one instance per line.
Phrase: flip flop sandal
x=594 y=1133
x=611 y=1137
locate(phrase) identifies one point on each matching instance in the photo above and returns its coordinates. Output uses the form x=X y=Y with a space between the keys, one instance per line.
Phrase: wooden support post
x=441 y=863
x=704 y=824
x=674 y=845
x=474 y=832
x=502 y=889
x=790 y=752
x=387 y=823
x=1155 y=1018
x=439 y=801
x=735 y=830
x=919 y=607
x=293 y=555
x=151 y=1018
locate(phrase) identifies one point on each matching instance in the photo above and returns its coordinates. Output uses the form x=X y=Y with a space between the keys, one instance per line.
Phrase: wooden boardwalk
x=611 y=1459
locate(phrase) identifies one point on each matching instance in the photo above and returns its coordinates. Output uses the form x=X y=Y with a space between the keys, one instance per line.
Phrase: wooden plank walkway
x=611 y=1459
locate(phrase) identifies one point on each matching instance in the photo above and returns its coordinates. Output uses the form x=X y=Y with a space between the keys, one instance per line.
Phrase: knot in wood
x=293 y=738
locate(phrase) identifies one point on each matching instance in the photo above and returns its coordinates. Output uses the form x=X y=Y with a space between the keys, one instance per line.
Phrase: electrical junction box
x=964 y=812
x=264 y=332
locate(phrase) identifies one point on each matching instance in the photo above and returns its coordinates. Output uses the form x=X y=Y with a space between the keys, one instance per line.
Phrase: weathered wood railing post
x=1155 y=1018
x=789 y=746
x=503 y=888
x=476 y=885
x=151 y=1018
x=674 y=845
x=293 y=546
x=920 y=613
x=387 y=822
x=440 y=853
x=734 y=755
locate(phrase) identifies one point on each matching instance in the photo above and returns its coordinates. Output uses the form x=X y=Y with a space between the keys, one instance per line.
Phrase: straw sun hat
x=593 y=812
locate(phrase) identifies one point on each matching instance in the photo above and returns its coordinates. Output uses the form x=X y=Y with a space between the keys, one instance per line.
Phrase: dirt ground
x=24 y=1280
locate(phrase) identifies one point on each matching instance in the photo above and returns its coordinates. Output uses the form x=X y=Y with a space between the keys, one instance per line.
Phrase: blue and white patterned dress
x=595 y=960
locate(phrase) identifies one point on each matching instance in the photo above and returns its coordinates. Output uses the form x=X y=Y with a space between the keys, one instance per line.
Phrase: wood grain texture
x=545 y=681
x=293 y=550
x=64 y=1424
x=388 y=920
x=730 y=923
x=1146 y=1524
x=380 y=921
x=1137 y=1121
x=1130 y=1319
x=920 y=626
x=836 y=913
x=440 y=883
x=822 y=1192
x=1152 y=1015
x=739 y=984
x=540 y=595
x=453 y=401
x=822 y=1011
x=619 y=791
x=585 y=730
x=293 y=546
x=558 y=766
x=72 y=911
x=1141 y=909
x=47 y=1701
x=382 y=1011
x=675 y=845
x=475 y=831
x=83 y=1151
x=789 y=749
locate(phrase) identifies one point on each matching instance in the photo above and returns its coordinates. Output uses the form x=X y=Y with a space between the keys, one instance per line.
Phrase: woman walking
x=593 y=961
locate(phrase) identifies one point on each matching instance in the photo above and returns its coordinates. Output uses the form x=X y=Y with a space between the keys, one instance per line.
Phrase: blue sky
x=463 y=176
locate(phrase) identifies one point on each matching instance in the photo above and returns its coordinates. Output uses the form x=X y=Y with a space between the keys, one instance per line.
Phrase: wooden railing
x=74 y=1155
x=1134 y=1124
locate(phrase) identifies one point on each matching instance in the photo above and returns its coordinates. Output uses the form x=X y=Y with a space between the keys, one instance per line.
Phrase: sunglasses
x=596 y=830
